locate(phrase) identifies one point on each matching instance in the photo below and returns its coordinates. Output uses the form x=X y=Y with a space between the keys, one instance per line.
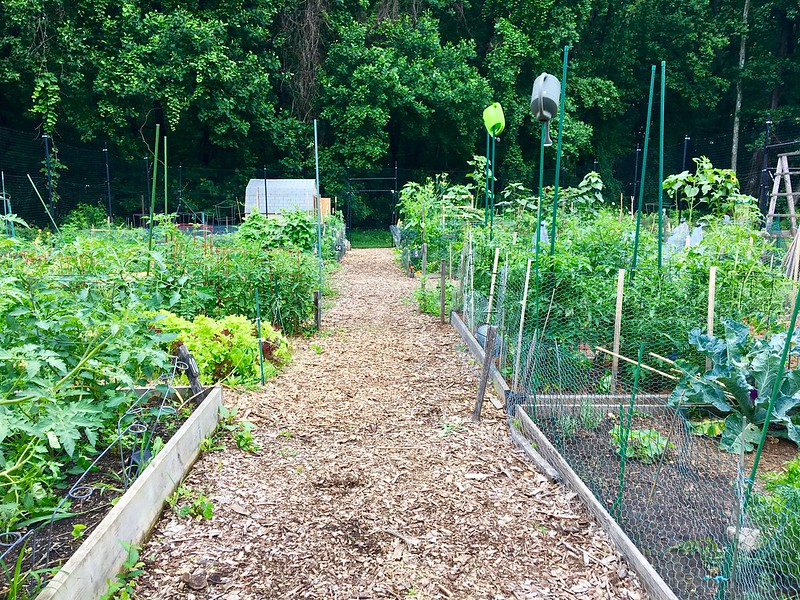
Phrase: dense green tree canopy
x=236 y=84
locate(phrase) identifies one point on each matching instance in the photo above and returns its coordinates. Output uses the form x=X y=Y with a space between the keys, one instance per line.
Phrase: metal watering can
x=544 y=102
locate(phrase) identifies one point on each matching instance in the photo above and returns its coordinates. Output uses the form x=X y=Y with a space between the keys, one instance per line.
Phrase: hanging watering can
x=544 y=102
x=494 y=119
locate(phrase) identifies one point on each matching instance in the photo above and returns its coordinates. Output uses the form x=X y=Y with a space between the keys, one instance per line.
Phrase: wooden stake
x=633 y=362
x=617 y=330
x=515 y=382
x=712 y=292
x=442 y=292
x=424 y=264
x=491 y=285
x=488 y=359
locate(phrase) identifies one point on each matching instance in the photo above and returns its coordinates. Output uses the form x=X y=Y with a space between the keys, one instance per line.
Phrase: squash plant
x=739 y=384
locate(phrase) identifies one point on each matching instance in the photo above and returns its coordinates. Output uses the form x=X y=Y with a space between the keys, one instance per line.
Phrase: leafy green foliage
x=186 y=502
x=776 y=514
x=739 y=385
x=715 y=189
x=428 y=298
x=122 y=588
x=227 y=349
x=645 y=445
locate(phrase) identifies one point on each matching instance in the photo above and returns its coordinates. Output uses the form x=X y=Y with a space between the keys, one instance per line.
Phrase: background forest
x=236 y=85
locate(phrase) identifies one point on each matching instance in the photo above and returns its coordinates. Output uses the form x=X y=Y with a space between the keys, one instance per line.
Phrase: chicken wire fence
x=652 y=460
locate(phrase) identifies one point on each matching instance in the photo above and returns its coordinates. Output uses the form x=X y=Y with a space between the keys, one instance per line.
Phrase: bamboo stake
x=633 y=362
x=491 y=285
x=521 y=325
x=153 y=194
x=424 y=265
x=617 y=329
x=712 y=292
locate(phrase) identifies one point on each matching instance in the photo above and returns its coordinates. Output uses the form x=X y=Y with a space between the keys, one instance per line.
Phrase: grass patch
x=370 y=238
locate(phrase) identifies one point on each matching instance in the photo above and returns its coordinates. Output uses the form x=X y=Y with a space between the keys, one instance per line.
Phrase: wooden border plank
x=656 y=587
x=100 y=557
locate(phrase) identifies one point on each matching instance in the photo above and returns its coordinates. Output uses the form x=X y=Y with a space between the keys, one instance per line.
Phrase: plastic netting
x=652 y=461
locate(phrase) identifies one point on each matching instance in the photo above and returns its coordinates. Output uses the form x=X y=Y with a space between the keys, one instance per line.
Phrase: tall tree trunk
x=737 y=109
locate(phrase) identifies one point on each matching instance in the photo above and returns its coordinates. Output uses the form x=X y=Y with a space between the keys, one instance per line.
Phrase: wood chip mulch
x=372 y=482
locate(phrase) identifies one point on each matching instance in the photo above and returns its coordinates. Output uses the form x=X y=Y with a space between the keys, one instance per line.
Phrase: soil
x=677 y=511
x=91 y=498
x=372 y=481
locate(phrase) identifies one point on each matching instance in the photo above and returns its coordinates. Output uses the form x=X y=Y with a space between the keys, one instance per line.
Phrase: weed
x=187 y=503
x=211 y=445
x=315 y=347
x=590 y=416
x=78 y=529
x=288 y=452
x=448 y=427
x=122 y=587
x=285 y=433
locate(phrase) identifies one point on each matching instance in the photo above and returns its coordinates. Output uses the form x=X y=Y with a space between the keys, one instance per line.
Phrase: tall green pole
x=486 y=194
x=644 y=169
x=539 y=218
x=153 y=193
x=491 y=196
x=166 y=202
x=558 y=151
x=260 y=340
x=776 y=386
x=661 y=165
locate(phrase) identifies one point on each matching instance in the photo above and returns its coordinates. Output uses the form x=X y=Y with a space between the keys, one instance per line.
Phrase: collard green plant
x=739 y=385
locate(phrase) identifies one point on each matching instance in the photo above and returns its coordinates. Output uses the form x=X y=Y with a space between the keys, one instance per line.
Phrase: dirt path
x=373 y=483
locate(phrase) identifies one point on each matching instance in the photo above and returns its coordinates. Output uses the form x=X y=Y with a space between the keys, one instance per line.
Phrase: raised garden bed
x=100 y=557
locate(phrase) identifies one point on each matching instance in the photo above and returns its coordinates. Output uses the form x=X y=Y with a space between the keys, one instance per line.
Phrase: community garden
x=657 y=365
x=95 y=329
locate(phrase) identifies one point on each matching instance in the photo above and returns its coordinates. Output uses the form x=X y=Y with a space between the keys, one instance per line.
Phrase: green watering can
x=494 y=119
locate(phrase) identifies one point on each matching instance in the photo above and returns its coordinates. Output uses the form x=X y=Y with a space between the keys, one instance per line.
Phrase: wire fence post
x=442 y=287
x=617 y=330
x=644 y=170
x=712 y=293
x=515 y=384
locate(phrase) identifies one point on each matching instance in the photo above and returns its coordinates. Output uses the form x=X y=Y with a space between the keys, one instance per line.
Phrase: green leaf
x=735 y=438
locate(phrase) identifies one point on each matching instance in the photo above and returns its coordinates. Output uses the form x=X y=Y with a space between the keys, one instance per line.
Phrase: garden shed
x=272 y=196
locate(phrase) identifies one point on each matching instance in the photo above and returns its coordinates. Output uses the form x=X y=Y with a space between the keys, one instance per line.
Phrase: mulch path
x=372 y=482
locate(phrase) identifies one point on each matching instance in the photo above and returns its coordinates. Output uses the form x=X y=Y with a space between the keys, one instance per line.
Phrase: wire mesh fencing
x=598 y=362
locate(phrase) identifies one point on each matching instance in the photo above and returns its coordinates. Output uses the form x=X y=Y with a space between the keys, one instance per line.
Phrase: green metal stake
x=624 y=430
x=539 y=219
x=644 y=165
x=661 y=164
x=153 y=195
x=260 y=344
x=7 y=203
x=491 y=209
x=776 y=386
x=558 y=151
x=166 y=204
x=486 y=194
